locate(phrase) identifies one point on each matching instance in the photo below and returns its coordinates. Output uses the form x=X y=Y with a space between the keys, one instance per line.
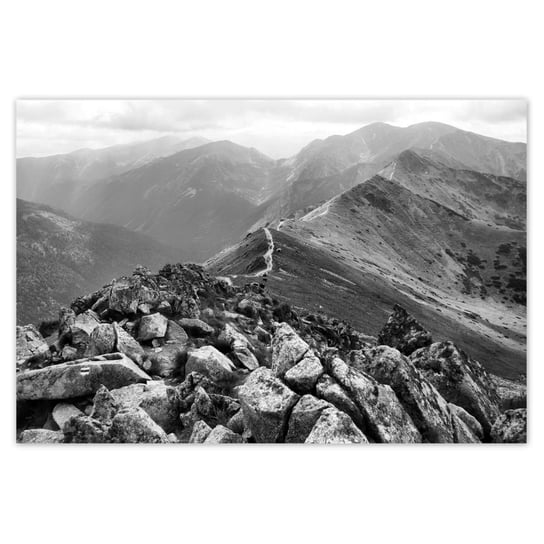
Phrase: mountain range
x=429 y=216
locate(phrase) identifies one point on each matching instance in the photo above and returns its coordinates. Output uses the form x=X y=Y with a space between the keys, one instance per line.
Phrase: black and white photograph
x=271 y=271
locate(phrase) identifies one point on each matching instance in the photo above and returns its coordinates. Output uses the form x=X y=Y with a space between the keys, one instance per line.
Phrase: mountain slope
x=54 y=179
x=59 y=257
x=197 y=200
x=448 y=244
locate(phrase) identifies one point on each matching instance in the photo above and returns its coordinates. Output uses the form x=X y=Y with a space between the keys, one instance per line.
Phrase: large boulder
x=211 y=363
x=427 y=408
x=304 y=375
x=81 y=330
x=126 y=344
x=63 y=411
x=327 y=388
x=195 y=327
x=304 y=416
x=31 y=349
x=403 y=332
x=165 y=361
x=156 y=398
x=200 y=432
x=126 y=294
x=223 y=435
x=152 y=326
x=134 y=425
x=469 y=428
x=460 y=380
x=510 y=427
x=266 y=404
x=41 y=436
x=102 y=340
x=288 y=349
x=384 y=418
x=335 y=427
x=175 y=333
x=240 y=346
x=78 y=378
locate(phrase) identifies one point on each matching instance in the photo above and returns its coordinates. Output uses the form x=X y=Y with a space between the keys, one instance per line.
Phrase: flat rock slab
x=79 y=378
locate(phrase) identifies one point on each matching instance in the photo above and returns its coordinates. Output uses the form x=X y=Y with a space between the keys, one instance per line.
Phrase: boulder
x=249 y=308
x=403 y=332
x=165 y=361
x=463 y=433
x=240 y=347
x=460 y=380
x=304 y=375
x=31 y=349
x=41 y=436
x=134 y=425
x=335 y=427
x=81 y=330
x=236 y=423
x=126 y=344
x=196 y=327
x=383 y=417
x=266 y=404
x=102 y=340
x=63 y=411
x=303 y=418
x=84 y=429
x=426 y=407
x=512 y=394
x=78 y=378
x=126 y=294
x=156 y=398
x=510 y=427
x=200 y=432
x=328 y=389
x=211 y=363
x=68 y=353
x=104 y=406
x=223 y=435
x=288 y=349
x=152 y=326
x=474 y=427
x=176 y=333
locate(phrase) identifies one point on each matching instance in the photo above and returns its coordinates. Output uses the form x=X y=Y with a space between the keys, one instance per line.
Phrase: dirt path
x=268 y=255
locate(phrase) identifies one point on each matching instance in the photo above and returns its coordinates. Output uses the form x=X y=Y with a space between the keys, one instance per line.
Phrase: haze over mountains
x=429 y=216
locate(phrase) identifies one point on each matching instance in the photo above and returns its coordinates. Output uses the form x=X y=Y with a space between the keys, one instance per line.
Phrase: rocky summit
x=181 y=356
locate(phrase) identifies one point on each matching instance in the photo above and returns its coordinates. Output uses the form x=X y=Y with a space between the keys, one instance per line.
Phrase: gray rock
x=427 y=408
x=512 y=394
x=126 y=294
x=31 y=348
x=304 y=375
x=156 y=398
x=195 y=327
x=86 y=430
x=152 y=326
x=249 y=308
x=473 y=426
x=288 y=349
x=68 y=353
x=126 y=344
x=266 y=404
x=134 y=425
x=201 y=430
x=223 y=435
x=510 y=427
x=335 y=427
x=41 y=436
x=304 y=416
x=236 y=423
x=211 y=363
x=403 y=332
x=460 y=380
x=328 y=389
x=176 y=333
x=165 y=361
x=102 y=340
x=81 y=330
x=382 y=415
x=104 y=406
x=63 y=411
x=78 y=378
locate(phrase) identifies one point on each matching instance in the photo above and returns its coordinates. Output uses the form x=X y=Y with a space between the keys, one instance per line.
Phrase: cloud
x=277 y=127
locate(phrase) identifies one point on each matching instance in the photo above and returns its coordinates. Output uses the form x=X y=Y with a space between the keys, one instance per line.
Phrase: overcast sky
x=279 y=128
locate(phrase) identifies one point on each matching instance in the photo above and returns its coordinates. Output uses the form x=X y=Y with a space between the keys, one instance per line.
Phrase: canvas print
x=271 y=271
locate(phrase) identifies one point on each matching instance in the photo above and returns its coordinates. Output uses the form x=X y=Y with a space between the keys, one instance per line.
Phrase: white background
x=263 y=49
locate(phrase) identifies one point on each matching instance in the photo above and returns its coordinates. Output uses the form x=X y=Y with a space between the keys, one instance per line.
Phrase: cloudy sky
x=278 y=128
